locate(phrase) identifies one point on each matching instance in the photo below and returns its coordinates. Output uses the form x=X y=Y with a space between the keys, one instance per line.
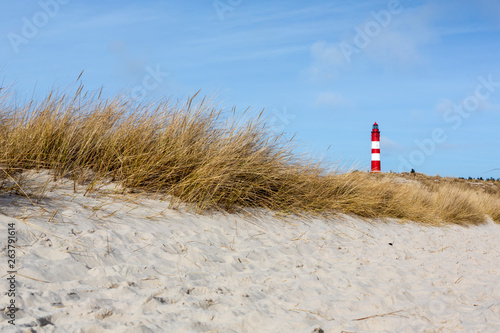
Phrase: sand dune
x=112 y=263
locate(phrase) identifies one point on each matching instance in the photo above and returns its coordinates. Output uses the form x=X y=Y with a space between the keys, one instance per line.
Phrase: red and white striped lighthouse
x=375 y=149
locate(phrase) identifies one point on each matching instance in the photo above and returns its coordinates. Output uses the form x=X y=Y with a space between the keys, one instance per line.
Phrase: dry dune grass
x=192 y=152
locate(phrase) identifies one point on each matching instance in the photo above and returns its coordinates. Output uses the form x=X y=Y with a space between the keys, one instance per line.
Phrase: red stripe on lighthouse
x=375 y=149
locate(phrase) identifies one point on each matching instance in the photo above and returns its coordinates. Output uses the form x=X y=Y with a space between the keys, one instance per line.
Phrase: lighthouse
x=375 y=149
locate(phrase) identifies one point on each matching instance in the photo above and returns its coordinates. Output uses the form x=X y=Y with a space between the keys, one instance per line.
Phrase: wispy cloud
x=400 y=42
x=104 y=16
x=444 y=106
x=389 y=146
x=329 y=99
x=407 y=34
x=327 y=59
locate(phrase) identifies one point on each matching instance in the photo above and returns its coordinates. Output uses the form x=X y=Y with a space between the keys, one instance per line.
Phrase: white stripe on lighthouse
x=375 y=157
x=375 y=144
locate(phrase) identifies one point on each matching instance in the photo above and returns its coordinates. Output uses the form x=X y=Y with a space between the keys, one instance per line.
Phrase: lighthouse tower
x=375 y=149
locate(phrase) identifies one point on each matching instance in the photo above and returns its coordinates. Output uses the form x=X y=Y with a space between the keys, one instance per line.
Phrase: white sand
x=108 y=264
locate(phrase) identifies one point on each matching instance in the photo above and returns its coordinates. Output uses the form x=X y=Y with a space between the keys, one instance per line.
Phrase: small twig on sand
x=53 y=215
x=29 y=277
x=142 y=247
x=380 y=315
x=259 y=234
x=107 y=239
x=314 y=313
x=179 y=271
x=299 y=237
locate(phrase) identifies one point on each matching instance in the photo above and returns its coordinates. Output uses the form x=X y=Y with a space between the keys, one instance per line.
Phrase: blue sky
x=427 y=71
